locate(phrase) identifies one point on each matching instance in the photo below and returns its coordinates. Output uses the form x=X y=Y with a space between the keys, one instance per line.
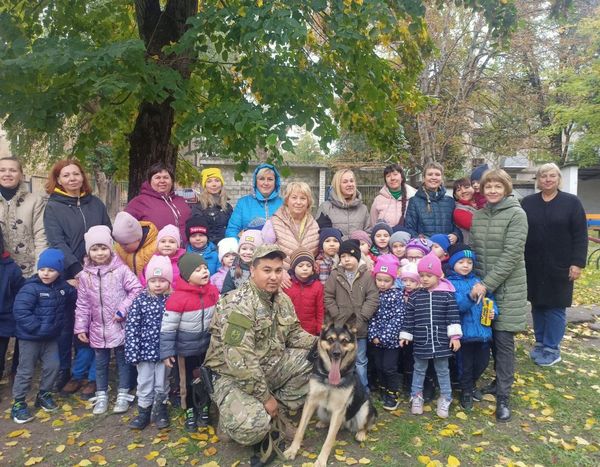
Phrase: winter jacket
x=386 y=323
x=307 y=298
x=40 y=309
x=185 y=324
x=385 y=207
x=218 y=278
x=174 y=264
x=255 y=205
x=282 y=230
x=347 y=217
x=102 y=291
x=325 y=265
x=351 y=304
x=210 y=255
x=557 y=239
x=470 y=310
x=160 y=209
x=431 y=217
x=498 y=237
x=231 y=282
x=463 y=218
x=142 y=328
x=11 y=281
x=431 y=320
x=138 y=259
x=66 y=220
x=22 y=220
x=218 y=218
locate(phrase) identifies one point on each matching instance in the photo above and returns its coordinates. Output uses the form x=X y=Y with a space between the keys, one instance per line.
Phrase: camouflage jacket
x=250 y=331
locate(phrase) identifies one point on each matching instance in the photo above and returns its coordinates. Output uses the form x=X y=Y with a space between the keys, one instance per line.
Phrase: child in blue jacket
x=196 y=230
x=475 y=342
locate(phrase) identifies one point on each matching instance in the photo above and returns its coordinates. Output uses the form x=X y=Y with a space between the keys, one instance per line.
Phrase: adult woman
x=430 y=210
x=212 y=203
x=157 y=202
x=498 y=237
x=70 y=212
x=344 y=207
x=555 y=253
x=391 y=203
x=465 y=206
x=262 y=203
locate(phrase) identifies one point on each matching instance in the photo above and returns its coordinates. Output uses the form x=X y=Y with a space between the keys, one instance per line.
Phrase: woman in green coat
x=498 y=237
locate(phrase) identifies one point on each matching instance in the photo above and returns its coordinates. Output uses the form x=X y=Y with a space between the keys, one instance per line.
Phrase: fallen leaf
x=99 y=459
x=364 y=461
x=547 y=411
x=351 y=461
x=210 y=464
x=581 y=441
x=424 y=459
x=461 y=415
x=19 y=434
x=34 y=460
x=514 y=448
x=453 y=461
x=340 y=458
x=152 y=455
x=95 y=448
x=67 y=408
x=11 y=443
x=132 y=446
x=84 y=463
x=199 y=436
x=60 y=448
x=211 y=451
x=161 y=461
x=56 y=423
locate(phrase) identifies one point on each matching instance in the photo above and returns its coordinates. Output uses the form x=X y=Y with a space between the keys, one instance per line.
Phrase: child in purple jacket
x=228 y=248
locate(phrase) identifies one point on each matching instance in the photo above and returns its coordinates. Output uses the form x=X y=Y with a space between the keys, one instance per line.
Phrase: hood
x=454 y=275
x=209 y=248
x=275 y=193
x=433 y=196
x=385 y=191
x=149 y=191
x=444 y=286
x=61 y=197
x=333 y=198
x=510 y=201
x=103 y=269
x=199 y=290
x=35 y=279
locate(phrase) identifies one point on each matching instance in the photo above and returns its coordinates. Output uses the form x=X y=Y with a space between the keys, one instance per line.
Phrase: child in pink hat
x=239 y=272
x=168 y=243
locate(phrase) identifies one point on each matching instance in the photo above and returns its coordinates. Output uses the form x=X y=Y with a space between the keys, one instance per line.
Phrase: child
x=351 y=297
x=196 y=230
x=184 y=334
x=306 y=291
x=39 y=310
x=475 y=342
x=228 y=248
x=330 y=239
x=417 y=248
x=168 y=243
x=106 y=289
x=136 y=241
x=476 y=176
x=384 y=329
x=380 y=236
x=465 y=206
x=432 y=322
x=365 y=247
x=410 y=279
x=142 y=348
x=398 y=242
x=240 y=269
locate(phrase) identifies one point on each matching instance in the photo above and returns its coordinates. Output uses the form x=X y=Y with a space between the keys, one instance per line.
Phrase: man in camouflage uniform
x=258 y=352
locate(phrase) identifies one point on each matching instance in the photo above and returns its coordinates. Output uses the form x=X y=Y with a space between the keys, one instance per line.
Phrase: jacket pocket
x=422 y=333
x=436 y=336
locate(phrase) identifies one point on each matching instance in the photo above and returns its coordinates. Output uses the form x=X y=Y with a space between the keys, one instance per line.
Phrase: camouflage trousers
x=242 y=416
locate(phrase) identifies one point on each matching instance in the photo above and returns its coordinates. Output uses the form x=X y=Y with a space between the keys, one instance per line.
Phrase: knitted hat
x=196 y=224
x=442 y=240
x=361 y=236
x=227 y=245
x=421 y=244
x=169 y=231
x=459 y=251
x=351 y=247
x=430 y=264
x=329 y=232
x=211 y=172
x=98 y=235
x=254 y=237
x=387 y=264
x=52 y=258
x=479 y=171
x=126 y=229
x=380 y=225
x=299 y=255
x=409 y=271
x=400 y=236
x=159 y=266
x=188 y=264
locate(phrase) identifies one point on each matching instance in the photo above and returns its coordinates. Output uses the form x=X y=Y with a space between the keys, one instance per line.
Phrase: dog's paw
x=321 y=424
x=320 y=462
x=361 y=436
x=290 y=453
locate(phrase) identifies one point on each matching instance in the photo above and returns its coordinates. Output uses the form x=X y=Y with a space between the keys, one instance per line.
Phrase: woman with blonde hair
x=213 y=204
x=344 y=206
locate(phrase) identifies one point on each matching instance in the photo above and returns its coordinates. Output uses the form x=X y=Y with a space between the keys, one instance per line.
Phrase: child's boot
x=123 y=401
x=160 y=411
x=20 y=413
x=466 y=400
x=142 y=419
x=203 y=418
x=443 y=407
x=390 y=400
x=100 y=402
x=190 y=420
x=417 y=404
x=44 y=401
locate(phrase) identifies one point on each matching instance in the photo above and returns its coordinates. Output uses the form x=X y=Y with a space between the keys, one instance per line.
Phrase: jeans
x=31 y=353
x=386 y=366
x=362 y=362
x=475 y=358
x=102 y=361
x=549 y=326
x=83 y=364
x=504 y=361
x=442 y=371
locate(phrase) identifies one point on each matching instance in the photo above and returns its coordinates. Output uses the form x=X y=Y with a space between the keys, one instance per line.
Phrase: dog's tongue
x=334 y=373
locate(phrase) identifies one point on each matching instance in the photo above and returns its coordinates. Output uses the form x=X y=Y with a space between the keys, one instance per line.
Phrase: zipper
x=203 y=311
x=85 y=228
x=431 y=321
x=101 y=305
x=173 y=208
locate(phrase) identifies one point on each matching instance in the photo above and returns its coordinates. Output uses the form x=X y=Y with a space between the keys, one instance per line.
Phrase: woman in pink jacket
x=105 y=292
x=391 y=202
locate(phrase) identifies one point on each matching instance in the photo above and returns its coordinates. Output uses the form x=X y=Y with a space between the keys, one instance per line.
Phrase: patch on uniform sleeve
x=237 y=325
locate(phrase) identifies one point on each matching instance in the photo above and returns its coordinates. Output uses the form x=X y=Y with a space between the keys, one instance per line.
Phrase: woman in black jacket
x=212 y=203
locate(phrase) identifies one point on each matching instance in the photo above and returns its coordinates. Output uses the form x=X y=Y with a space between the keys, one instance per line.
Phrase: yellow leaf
x=11 y=443
x=67 y=408
x=99 y=441
x=581 y=441
x=132 y=446
x=461 y=415
x=60 y=448
x=340 y=458
x=95 y=448
x=417 y=442
x=566 y=446
x=424 y=459
x=152 y=455
x=161 y=461
x=339 y=452
x=311 y=455
x=446 y=432
x=211 y=451
x=19 y=433
x=364 y=461
x=477 y=433
x=34 y=460
x=568 y=397
x=549 y=386
x=514 y=448
x=99 y=459
x=434 y=463
x=235 y=464
x=210 y=464
x=547 y=411
x=351 y=461
x=84 y=463
x=199 y=436
x=478 y=449
x=57 y=423
x=453 y=461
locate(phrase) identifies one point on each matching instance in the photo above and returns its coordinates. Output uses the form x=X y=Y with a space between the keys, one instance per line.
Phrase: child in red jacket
x=306 y=291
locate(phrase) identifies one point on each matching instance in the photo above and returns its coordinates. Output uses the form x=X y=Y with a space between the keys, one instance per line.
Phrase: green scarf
x=395 y=194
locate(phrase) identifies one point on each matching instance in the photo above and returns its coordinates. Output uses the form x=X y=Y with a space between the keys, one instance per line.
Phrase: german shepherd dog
x=335 y=391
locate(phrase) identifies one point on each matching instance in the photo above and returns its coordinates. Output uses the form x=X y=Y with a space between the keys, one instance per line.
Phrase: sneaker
x=100 y=403
x=443 y=407
x=477 y=395
x=190 y=420
x=548 y=358
x=203 y=418
x=390 y=400
x=20 y=413
x=89 y=390
x=124 y=399
x=44 y=400
x=466 y=401
x=536 y=351
x=417 y=404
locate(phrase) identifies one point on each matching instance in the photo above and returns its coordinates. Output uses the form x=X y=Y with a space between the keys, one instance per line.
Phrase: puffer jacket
x=255 y=205
x=40 y=309
x=185 y=325
x=307 y=298
x=66 y=220
x=231 y=282
x=160 y=209
x=218 y=218
x=470 y=310
x=138 y=259
x=430 y=213
x=102 y=291
x=218 y=278
x=347 y=217
x=174 y=264
x=210 y=255
x=142 y=328
x=386 y=323
x=22 y=220
x=11 y=281
x=351 y=304
x=498 y=237
x=385 y=207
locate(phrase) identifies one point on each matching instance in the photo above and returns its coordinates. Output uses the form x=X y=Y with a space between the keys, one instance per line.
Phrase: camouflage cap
x=265 y=250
